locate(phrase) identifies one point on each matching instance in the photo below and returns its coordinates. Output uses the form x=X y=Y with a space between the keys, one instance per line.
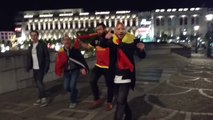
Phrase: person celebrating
x=105 y=62
x=124 y=80
x=69 y=63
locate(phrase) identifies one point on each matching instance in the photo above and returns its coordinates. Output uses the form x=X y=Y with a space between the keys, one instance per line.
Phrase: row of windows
x=6 y=37
x=183 y=31
x=172 y=21
x=5 y=33
x=71 y=25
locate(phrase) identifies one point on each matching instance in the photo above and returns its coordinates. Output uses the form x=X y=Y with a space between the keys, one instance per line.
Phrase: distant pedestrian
x=38 y=59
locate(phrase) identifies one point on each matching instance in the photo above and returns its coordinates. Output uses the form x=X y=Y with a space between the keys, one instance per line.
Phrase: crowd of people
x=114 y=60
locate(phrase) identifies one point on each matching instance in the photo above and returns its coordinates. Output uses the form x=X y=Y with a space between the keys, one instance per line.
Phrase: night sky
x=9 y=8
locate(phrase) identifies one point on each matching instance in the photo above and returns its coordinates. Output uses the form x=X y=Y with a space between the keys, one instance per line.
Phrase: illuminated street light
x=209 y=17
x=196 y=28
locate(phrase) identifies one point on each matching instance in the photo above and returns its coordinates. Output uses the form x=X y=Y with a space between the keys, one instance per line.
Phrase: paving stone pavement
x=168 y=87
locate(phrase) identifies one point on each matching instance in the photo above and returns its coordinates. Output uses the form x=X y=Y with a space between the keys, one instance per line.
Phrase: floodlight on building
x=133 y=16
x=183 y=16
x=46 y=15
x=113 y=17
x=157 y=10
x=209 y=17
x=28 y=16
x=185 y=9
x=174 y=10
x=84 y=13
x=30 y=21
x=162 y=10
x=102 y=13
x=181 y=9
x=192 y=9
x=122 y=12
x=195 y=15
x=65 y=14
x=197 y=8
x=197 y=27
x=169 y=10
x=98 y=17
x=159 y=17
x=171 y=16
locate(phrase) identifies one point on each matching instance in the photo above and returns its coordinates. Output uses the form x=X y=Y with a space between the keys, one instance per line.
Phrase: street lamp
x=196 y=28
x=209 y=19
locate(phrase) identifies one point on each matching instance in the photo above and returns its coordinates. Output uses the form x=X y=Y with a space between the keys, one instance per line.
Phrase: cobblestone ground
x=186 y=95
x=168 y=87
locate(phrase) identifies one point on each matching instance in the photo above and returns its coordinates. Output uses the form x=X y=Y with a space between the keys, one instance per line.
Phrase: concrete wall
x=13 y=75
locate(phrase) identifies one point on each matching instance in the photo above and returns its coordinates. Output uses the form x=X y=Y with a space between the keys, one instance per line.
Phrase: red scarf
x=123 y=61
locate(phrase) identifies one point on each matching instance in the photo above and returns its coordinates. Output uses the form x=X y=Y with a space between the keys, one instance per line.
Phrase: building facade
x=53 y=24
x=149 y=26
x=6 y=35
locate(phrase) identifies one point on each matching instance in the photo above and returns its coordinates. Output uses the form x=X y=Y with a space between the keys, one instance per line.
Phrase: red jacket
x=61 y=62
x=75 y=56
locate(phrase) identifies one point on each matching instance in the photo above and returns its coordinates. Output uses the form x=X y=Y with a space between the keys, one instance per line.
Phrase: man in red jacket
x=69 y=63
x=104 y=66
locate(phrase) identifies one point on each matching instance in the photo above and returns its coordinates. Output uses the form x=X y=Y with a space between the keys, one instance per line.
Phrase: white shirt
x=35 y=57
x=119 y=80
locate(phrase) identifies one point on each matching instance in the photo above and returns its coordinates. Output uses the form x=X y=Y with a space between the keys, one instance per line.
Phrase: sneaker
x=96 y=104
x=37 y=102
x=43 y=102
x=72 y=105
x=109 y=106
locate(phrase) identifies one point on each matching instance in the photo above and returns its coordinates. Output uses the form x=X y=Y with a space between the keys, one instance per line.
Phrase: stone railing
x=13 y=75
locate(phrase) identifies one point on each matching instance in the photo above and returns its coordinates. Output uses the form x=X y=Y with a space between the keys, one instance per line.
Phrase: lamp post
x=196 y=28
x=209 y=19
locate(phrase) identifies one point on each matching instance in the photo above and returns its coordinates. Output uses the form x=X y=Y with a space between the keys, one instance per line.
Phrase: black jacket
x=129 y=50
x=76 y=55
x=42 y=54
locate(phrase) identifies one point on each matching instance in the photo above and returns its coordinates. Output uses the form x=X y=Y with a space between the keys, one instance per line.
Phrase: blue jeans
x=70 y=83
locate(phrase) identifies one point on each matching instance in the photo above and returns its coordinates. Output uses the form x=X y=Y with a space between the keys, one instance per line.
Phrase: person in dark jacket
x=124 y=80
x=38 y=59
x=70 y=62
